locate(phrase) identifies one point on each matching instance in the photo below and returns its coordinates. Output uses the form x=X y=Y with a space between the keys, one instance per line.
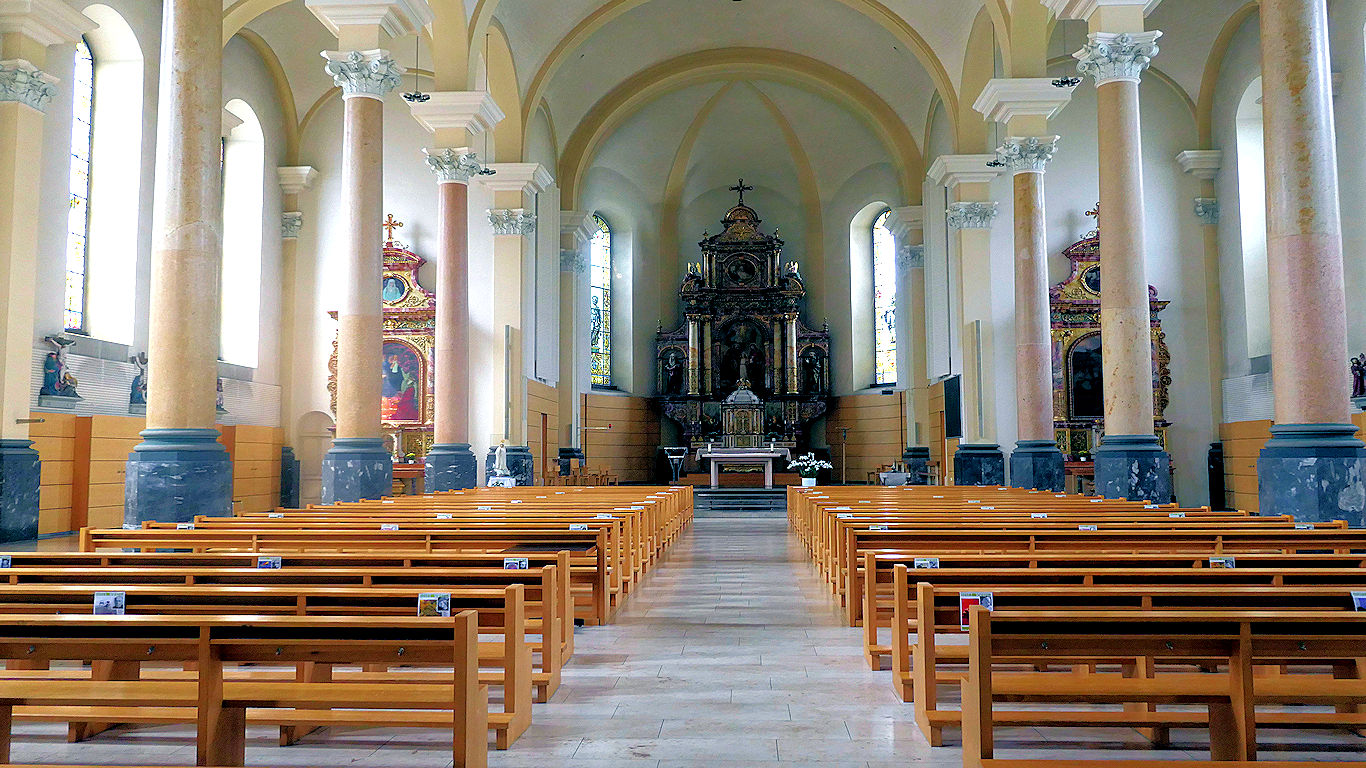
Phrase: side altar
x=743 y=371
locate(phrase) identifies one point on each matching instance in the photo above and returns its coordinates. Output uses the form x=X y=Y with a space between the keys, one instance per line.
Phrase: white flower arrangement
x=808 y=465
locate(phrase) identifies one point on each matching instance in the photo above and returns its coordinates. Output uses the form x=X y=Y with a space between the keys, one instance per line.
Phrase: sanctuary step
x=740 y=502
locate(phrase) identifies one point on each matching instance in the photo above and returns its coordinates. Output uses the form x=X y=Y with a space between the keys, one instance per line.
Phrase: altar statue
x=137 y=394
x=57 y=378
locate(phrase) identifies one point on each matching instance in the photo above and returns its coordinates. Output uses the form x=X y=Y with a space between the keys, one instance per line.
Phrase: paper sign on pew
x=1304 y=526
x=925 y=563
x=844 y=515
x=1038 y=515
x=878 y=528
x=388 y=526
x=986 y=508
x=1359 y=601
x=445 y=516
x=1176 y=514
x=269 y=561
x=604 y=516
x=6 y=561
x=434 y=604
x=1223 y=562
x=275 y=515
x=516 y=564
x=1091 y=527
x=966 y=600
x=109 y=603
x=578 y=526
x=184 y=526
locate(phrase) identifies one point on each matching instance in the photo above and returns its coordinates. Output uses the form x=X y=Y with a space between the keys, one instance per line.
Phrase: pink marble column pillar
x=1313 y=465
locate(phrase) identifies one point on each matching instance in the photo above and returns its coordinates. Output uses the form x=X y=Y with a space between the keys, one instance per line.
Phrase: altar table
x=719 y=456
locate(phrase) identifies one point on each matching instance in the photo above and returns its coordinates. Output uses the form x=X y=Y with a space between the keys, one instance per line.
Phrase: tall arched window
x=1252 y=219
x=78 y=214
x=244 y=161
x=600 y=304
x=884 y=302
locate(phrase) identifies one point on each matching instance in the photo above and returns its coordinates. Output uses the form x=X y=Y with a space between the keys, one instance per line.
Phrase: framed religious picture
x=403 y=379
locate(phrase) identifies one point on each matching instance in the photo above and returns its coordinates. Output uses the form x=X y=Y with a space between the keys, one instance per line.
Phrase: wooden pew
x=1234 y=641
x=221 y=708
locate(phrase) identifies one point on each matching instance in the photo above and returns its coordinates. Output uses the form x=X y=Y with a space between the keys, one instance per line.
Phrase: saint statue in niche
x=673 y=373
x=400 y=384
x=742 y=359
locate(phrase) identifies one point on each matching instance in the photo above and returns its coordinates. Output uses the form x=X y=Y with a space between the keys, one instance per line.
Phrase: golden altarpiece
x=1078 y=394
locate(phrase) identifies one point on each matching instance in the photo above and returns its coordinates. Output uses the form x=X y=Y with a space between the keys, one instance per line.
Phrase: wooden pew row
x=406 y=547
x=501 y=612
x=222 y=708
x=1233 y=641
x=981 y=571
x=937 y=613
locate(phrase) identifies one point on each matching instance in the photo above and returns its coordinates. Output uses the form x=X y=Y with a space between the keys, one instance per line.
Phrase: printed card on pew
x=966 y=600
x=269 y=561
x=1176 y=514
x=578 y=526
x=445 y=516
x=388 y=526
x=1359 y=601
x=275 y=515
x=923 y=563
x=1038 y=515
x=878 y=528
x=6 y=561
x=1223 y=562
x=844 y=515
x=434 y=604
x=988 y=508
x=604 y=516
x=1304 y=526
x=184 y=526
x=1091 y=527
x=109 y=603
x=516 y=564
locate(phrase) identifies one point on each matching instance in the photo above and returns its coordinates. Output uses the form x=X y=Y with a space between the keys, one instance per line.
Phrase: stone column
x=27 y=28
x=1312 y=466
x=180 y=469
x=1130 y=461
x=908 y=227
x=791 y=353
x=694 y=350
x=778 y=374
x=294 y=181
x=708 y=373
x=1024 y=106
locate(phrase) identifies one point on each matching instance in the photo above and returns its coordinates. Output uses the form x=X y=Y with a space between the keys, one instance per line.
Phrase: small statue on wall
x=673 y=373
x=137 y=394
x=218 y=399
x=58 y=382
x=1359 y=376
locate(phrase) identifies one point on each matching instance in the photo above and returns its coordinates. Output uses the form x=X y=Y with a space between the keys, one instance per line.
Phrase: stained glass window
x=78 y=213
x=600 y=304
x=884 y=302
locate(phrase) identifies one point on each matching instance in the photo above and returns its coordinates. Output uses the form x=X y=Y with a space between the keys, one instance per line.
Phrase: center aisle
x=731 y=653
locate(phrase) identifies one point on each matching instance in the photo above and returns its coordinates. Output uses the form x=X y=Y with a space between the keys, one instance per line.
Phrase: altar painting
x=402 y=377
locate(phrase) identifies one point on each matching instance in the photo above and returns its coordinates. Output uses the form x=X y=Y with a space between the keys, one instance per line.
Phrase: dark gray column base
x=521 y=464
x=450 y=467
x=289 y=478
x=175 y=474
x=1314 y=472
x=917 y=461
x=1133 y=467
x=356 y=469
x=982 y=464
x=1038 y=465
x=19 y=479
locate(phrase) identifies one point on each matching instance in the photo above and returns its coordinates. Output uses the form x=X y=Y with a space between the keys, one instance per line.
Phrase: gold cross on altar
x=389 y=225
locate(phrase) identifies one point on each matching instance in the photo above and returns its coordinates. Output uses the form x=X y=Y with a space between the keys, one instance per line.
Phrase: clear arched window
x=78 y=213
x=884 y=302
x=600 y=304
x=244 y=161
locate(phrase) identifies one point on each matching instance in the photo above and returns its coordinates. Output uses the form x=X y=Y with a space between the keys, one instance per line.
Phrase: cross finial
x=390 y=224
x=1095 y=213
x=742 y=188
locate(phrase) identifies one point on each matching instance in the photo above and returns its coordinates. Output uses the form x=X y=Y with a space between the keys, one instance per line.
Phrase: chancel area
x=682 y=382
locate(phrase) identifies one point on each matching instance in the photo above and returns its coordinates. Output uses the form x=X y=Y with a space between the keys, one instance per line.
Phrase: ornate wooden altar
x=1078 y=396
x=409 y=327
x=743 y=343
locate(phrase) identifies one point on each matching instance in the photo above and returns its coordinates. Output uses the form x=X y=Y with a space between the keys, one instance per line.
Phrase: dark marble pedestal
x=917 y=461
x=19 y=478
x=982 y=464
x=357 y=468
x=1133 y=467
x=521 y=464
x=289 y=478
x=1314 y=472
x=175 y=474
x=450 y=467
x=566 y=460
x=1038 y=465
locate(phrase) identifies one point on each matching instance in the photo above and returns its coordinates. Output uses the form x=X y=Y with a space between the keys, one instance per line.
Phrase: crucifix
x=389 y=225
x=742 y=188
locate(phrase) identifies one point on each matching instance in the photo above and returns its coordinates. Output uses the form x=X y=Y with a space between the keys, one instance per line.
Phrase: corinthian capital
x=291 y=222
x=512 y=221
x=911 y=257
x=454 y=165
x=971 y=215
x=368 y=74
x=1109 y=57
x=1207 y=210
x=572 y=260
x=1027 y=155
x=22 y=82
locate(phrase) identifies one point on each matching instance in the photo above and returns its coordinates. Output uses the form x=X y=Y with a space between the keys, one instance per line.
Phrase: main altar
x=743 y=370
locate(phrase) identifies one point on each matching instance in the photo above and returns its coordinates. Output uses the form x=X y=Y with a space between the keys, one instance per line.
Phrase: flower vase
x=808 y=482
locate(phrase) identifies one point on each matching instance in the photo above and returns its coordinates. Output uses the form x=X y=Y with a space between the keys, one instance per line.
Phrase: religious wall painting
x=402 y=379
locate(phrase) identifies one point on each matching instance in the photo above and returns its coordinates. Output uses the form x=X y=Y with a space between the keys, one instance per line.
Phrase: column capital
x=471 y=111
x=1028 y=154
x=910 y=257
x=46 y=22
x=971 y=215
x=1207 y=210
x=454 y=166
x=290 y=224
x=571 y=260
x=512 y=221
x=527 y=178
x=1003 y=99
x=1084 y=9
x=578 y=224
x=296 y=178
x=952 y=170
x=1111 y=57
x=395 y=17
x=22 y=82
x=1203 y=164
x=905 y=220
x=364 y=74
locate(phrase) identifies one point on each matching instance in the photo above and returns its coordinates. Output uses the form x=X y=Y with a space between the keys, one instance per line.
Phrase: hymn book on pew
x=434 y=604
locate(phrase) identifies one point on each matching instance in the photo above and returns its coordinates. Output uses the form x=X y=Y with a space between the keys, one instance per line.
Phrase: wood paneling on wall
x=941 y=450
x=1243 y=441
x=55 y=441
x=255 y=453
x=628 y=448
x=876 y=424
x=543 y=411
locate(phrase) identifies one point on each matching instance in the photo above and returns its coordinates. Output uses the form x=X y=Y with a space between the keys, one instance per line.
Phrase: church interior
x=811 y=382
